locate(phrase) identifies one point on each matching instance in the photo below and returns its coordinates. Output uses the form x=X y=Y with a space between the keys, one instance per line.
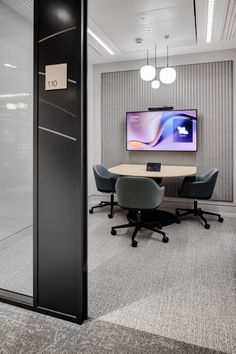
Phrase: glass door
x=16 y=146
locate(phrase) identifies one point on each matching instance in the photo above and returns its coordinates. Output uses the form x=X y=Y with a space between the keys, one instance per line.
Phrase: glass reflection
x=16 y=147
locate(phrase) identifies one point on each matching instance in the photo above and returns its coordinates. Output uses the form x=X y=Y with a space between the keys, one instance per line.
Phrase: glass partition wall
x=16 y=146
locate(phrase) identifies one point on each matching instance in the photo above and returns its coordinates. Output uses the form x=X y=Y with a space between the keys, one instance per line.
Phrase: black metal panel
x=56 y=222
x=60 y=183
x=57 y=15
x=58 y=109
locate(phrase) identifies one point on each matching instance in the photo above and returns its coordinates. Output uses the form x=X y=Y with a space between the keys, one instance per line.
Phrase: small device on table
x=153 y=167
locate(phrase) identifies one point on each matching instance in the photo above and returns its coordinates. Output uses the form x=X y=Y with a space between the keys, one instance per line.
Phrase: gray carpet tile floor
x=26 y=332
x=183 y=290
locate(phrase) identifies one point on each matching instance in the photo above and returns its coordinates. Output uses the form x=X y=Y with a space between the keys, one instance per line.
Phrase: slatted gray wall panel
x=207 y=87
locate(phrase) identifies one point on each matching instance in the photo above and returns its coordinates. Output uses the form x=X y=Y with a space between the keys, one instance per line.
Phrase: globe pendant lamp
x=155 y=83
x=147 y=72
x=168 y=74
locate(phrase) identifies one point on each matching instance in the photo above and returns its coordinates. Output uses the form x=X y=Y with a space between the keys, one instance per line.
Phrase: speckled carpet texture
x=25 y=332
x=169 y=298
x=183 y=290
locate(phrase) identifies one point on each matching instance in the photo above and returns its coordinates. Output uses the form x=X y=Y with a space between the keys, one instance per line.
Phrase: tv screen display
x=162 y=130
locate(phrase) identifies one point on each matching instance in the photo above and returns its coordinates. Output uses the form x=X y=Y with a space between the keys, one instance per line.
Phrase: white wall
x=132 y=65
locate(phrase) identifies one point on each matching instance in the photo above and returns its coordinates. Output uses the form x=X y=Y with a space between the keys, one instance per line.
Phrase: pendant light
x=155 y=83
x=147 y=72
x=168 y=74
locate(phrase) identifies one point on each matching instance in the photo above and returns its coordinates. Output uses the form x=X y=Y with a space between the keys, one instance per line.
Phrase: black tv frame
x=172 y=110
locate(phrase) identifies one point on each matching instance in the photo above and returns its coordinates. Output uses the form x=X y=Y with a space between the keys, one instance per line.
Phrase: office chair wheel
x=134 y=243
x=165 y=239
x=113 y=232
x=220 y=219
x=110 y=216
x=90 y=211
x=207 y=226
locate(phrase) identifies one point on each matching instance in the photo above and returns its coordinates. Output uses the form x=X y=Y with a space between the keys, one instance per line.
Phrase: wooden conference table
x=166 y=171
x=166 y=218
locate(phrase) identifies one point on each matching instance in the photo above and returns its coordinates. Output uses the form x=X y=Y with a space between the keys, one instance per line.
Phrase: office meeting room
x=118 y=176
x=161 y=169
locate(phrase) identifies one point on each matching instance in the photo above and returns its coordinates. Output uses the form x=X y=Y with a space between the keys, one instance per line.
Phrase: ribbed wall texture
x=207 y=87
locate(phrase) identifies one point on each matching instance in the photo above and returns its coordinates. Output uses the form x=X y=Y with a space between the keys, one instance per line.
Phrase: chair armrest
x=161 y=195
x=189 y=179
x=106 y=184
x=114 y=176
x=197 y=189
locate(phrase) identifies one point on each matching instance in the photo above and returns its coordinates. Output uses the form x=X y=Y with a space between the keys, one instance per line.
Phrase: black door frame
x=32 y=303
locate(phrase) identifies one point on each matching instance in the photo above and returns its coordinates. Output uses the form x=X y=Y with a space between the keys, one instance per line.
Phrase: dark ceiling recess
x=195 y=18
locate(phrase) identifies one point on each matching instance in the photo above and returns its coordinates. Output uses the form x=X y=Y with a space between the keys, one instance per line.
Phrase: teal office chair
x=198 y=187
x=105 y=182
x=141 y=197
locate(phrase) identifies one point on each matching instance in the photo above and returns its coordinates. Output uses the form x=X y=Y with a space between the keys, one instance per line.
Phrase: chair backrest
x=202 y=187
x=139 y=193
x=105 y=181
x=209 y=179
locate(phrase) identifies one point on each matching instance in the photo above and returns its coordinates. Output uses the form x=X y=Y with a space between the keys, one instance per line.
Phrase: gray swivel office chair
x=198 y=187
x=105 y=182
x=141 y=197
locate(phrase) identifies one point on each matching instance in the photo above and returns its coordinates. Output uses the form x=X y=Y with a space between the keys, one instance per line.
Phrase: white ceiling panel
x=122 y=21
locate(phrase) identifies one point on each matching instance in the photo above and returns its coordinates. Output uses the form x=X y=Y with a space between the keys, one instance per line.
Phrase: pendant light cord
x=167 y=56
x=147 y=58
x=156 y=60
x=155 y=55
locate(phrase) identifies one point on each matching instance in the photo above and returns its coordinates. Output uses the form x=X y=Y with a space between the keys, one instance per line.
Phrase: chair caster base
x=207 y=226
x=134 y=243
x=110 y=216
x=90 y=211
x=220 y=219
x=113 y=232
x=165 y=239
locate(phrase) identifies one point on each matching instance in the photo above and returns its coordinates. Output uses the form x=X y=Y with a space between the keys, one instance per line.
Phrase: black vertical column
x=60 y=190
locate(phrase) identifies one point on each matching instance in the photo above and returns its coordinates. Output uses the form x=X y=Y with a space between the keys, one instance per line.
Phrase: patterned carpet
x=169 y=298
x=26 y=332
x=184 y=290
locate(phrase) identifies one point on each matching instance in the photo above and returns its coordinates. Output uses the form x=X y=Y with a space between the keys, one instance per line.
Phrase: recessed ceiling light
x=148 y=29
x=210 y=20
x=100 y=42
x=10 y=66
x=139 y=41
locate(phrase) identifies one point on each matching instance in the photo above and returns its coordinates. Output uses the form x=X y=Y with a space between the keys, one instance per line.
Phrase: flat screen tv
x=174 y=130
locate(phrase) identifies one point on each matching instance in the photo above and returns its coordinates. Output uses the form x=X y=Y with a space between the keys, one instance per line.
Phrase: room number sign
x=56 y=77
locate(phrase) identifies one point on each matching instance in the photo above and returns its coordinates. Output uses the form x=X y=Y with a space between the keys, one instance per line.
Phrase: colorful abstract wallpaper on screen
x=162 y=130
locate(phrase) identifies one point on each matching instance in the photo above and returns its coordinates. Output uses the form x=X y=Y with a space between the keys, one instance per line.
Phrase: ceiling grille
x=229 y=27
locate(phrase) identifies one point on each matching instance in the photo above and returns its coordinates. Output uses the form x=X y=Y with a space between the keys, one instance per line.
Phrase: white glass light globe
x=155 y=84
x=147 y=72
x=168 y=75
